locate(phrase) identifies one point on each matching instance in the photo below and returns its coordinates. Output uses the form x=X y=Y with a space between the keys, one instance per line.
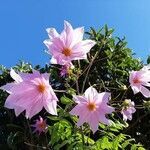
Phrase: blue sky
x=23 y=24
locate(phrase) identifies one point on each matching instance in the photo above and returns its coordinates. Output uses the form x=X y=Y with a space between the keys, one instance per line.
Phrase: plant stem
x=31 y=145
x=82 y=134
x=90 y=65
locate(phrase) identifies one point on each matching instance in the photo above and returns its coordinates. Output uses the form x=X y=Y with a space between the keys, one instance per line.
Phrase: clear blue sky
x=23 y=24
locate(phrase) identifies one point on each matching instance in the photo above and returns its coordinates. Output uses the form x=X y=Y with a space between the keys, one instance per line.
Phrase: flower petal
x=15 y=76
x=8 y=87
x=90 y=93
x=35 y=108
x=52 y=33
x=51 y=107
x=103 y=97
x=78 y=34
x=145 y=91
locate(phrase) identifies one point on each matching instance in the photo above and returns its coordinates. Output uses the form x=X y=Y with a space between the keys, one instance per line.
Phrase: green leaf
x=66 y=100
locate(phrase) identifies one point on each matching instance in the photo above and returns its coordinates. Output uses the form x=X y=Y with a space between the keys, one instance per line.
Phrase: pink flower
x=139 y=79
x=92 y=108
x=40 y=125
x=30 y=92
x=67 y=46
x=128 y=109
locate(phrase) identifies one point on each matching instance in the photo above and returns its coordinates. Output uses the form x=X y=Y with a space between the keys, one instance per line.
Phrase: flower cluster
x=31 y=92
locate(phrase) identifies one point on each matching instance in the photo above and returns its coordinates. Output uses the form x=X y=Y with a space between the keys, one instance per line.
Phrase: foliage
x=107 y=69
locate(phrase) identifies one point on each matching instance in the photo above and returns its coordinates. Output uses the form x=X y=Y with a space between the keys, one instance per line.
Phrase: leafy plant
x=107 y=69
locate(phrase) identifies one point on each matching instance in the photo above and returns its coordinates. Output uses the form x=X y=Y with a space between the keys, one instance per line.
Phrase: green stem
x=82 y=134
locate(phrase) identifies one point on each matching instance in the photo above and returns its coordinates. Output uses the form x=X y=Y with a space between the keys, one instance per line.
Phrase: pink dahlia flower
x=40 y=125
x=92 y=108
x=128 y=109
x=30 y=92
x=139 y=79
x=67 y=46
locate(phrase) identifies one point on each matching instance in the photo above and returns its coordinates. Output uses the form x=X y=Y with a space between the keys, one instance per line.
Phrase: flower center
x=67 y=52
x=41 y=88
x=42 y=125
x=91 y=106
x=136 y=80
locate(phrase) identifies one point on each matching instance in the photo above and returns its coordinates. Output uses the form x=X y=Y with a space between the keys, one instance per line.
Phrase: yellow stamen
x=67 y=52
x=91 y=106
x=41 y=88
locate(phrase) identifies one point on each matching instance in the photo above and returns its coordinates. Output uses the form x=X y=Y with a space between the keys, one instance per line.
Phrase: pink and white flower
x=92 y=108
x=30 y=92
x=139 y=80
x=68 y=45
x=40 y=126
x=128 y=109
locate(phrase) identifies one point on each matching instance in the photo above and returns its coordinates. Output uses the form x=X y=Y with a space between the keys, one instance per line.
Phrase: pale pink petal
x=83 y=117
x=26 y=99
x=135 y=89
x=104 y=120
x=104 y=96
x=46 y=76
x=85 y=46
x=79 y=99
x=146 y=84
x=35 y=108
x=69 y=33
x=53 y=60
x=77 y=110
x=27 y=76
x=78 y=53
x=52 y=33
x=8 y=87
x=145 y=91
x=78 y=34
x=11 y=101
x=15 y=76
x=67 y=26
x=57 y=47
x=125 y=117
x=90 y=94
x=132 y=76
x=18 y=110
x=51 y=107
x=23 y=87
x=47 y=42
x=106 y=109
x=93 y=122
